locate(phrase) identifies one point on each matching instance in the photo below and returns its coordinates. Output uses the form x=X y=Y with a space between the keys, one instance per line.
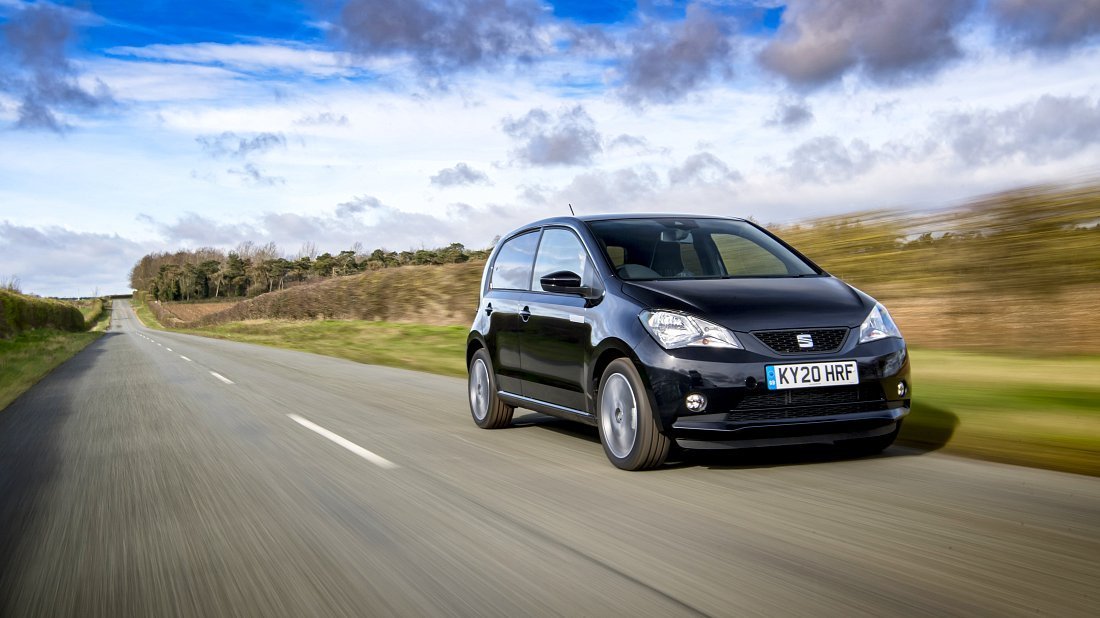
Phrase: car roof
x=632 y=215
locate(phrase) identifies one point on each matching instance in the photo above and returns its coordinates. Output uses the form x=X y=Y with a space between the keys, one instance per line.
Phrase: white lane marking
x=221 y=377
x=169 y=349
x=185 y=358
x=377 y=460
x=158 y=345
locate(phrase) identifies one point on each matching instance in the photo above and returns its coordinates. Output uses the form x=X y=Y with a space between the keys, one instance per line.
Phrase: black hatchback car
x=708 y=332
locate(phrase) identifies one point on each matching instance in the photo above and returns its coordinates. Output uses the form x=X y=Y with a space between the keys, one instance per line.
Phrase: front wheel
x=631 y=438
x=488 y=410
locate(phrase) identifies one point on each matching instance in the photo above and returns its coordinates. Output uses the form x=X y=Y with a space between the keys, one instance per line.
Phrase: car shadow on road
x=927 y=429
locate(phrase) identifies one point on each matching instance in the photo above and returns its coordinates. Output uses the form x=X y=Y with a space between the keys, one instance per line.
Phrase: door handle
x=525 y=314
x=489 y=309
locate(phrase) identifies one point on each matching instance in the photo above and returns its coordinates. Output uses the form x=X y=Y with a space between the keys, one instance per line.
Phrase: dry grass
x=190 y=312
x=437 y=295
x=1058 y=323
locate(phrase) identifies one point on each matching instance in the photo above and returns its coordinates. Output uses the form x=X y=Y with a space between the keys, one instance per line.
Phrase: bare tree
x=309 y=250
x=11 y=284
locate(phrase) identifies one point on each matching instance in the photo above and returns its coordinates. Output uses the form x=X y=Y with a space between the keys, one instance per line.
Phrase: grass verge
x=29 y=356
x=98 y=318
x=145 y=314
x=435 y=349
x=1035 y=412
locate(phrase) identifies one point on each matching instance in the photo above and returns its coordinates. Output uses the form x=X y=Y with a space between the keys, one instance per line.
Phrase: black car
x=709 y=332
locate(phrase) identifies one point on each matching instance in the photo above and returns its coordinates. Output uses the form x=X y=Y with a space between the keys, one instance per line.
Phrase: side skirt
x=543 y=407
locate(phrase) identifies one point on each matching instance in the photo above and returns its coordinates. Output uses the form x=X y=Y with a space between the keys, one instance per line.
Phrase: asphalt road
x=160 y=474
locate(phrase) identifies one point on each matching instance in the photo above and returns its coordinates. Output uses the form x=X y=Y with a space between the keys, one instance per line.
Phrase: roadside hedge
x=19 y=313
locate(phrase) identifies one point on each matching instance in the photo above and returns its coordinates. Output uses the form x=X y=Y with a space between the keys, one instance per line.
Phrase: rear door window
x=514 y=261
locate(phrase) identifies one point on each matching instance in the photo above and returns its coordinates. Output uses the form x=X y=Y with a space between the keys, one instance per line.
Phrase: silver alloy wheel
x=618 y=415
x=479 y=389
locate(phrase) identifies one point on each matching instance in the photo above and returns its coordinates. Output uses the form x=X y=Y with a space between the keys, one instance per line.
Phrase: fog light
x=695 y=402
x=902 y=388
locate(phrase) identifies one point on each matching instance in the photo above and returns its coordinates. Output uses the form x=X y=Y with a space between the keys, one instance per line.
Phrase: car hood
x=758 y=304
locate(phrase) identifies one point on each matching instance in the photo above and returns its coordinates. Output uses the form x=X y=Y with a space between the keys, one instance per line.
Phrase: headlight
x=677 y=330
x=878 y=325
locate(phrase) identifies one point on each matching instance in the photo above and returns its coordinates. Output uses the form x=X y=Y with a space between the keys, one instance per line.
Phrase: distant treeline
x=250 y=270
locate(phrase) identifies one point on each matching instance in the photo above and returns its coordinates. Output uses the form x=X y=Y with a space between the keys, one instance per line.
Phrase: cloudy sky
x=128 y=127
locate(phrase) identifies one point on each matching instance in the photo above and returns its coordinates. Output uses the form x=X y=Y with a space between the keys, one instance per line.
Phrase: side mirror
x=563 y=282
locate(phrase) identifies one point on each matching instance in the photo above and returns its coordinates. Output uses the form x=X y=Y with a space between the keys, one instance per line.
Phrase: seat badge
x=805 y=340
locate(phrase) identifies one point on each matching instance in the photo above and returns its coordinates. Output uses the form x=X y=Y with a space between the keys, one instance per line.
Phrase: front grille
x=787 y=341
x=808 y=403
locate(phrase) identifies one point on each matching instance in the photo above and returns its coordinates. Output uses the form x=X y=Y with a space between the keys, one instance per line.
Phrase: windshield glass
x=667 y=248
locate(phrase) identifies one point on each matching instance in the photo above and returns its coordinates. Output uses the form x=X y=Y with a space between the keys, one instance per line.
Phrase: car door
x=557 y=334
x=509 y=283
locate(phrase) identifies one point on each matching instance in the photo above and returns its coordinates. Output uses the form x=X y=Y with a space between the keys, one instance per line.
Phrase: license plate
x=806 y=375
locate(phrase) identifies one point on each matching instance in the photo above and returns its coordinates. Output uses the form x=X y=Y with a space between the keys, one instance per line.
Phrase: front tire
x=488 y=411
x=631 y=438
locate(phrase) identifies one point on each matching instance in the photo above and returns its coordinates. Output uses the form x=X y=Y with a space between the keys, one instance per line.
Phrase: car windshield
x=670 y=248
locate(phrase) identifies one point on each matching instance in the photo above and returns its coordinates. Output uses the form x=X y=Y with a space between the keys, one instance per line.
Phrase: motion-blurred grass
x=434 y=349
x=1038 y=412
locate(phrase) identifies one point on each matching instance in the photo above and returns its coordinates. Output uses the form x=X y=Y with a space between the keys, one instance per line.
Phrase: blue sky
x=131 y=127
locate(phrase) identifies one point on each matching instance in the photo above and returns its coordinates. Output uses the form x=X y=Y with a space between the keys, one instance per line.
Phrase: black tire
x=864 y=447
x=638 y=447
x=486 y=408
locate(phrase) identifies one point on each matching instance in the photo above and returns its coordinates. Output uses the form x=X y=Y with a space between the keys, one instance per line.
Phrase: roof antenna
x=571 y=210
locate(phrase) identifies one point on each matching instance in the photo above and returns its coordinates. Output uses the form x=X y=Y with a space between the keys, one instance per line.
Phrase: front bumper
x=742 y=412
x=716 y=431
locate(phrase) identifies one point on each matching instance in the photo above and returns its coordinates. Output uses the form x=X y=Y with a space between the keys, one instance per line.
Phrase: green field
x=1036 y=412
x=29 y=356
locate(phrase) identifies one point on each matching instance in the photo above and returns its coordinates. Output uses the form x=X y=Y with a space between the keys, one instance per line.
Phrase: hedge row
x=19 y=313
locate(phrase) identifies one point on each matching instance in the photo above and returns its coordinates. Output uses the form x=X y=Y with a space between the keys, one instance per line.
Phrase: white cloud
x=58 y=261
x=280 y=57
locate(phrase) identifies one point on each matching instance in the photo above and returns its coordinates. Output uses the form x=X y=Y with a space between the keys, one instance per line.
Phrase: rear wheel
x=631 y=438
x=870 y=446
x=488 y=410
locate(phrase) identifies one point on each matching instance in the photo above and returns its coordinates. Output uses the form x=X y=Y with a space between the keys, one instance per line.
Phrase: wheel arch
x=609 y=351
x=473 y=344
